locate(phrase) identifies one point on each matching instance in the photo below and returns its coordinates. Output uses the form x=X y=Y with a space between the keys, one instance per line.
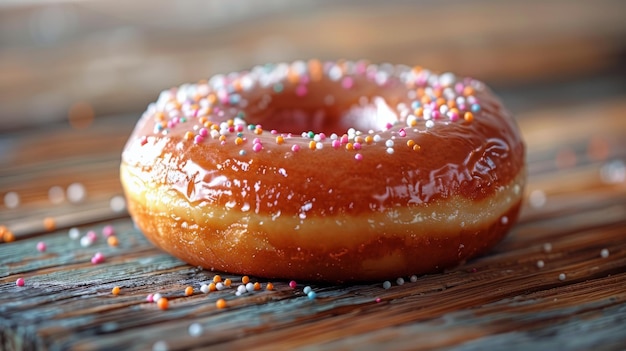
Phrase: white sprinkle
x=160 y=346
x=389 y=143
x=335 y=73
x=117 y=203
x=242 y=289
x=76 y=192
x=195 y=329
x=220 y=286
x=204 y=288
x=376 y=138
x=429 y=124
x=249 y=287
x=604 y=253
x=413 y=278
x=537 y=198
x=447 y=79
x=562 y=276
x=85 y=241
x=540 y=264
x=156 y=297
x=390 y=150
x=386 y=284
x=11 y=199
x=319 y=146
x=56 y=194
x=547 y=247
x=504 y=220
x=74 y=233
x=307 y=289
x=400 y=281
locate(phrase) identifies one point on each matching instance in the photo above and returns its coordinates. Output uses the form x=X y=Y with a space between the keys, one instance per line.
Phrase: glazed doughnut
x=325 y=171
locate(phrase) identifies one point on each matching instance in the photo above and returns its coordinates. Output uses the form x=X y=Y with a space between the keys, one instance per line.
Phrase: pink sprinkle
x=357 y=146
x=295 y=148
x=347 y=83
x=454 y=116
x=198 y=139
x=402 y=133
x=256 y=147
x=388 y=126
x=344 y=139
x=20 y=282
x=256 y=141
x=293 y=284
x=41 y=246
x=378 y=300
x=149 y=298
x=435 y=114
x=361 y=67
x=459 y=88
x=273 y=131
x=336 y=144
x=97 y=258
x=239 y=128
x=108 y=230
x=231 y=129
x=304 y=79
x=92 y=236
x=203 y=132
x=301 y=90
x=144 y=140
x=322 y=136
x=358 y=157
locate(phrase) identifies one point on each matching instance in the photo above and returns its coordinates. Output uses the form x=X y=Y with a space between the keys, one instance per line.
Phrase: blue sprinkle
x=242 y=152
x=311 y=295
x=234 y=99
x=416 y=104
x=475 y=108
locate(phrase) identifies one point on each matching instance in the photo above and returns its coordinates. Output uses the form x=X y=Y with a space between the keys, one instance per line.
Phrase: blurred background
x=76 y=75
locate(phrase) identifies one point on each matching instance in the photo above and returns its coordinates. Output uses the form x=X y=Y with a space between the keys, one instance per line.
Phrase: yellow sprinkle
x=280 y=140
x=312 y=144
x=349 y=146
x=258 y=131
x=222 y=137
x=369 y=139
x=238 y=141
x=230 y=123
x=188 y=135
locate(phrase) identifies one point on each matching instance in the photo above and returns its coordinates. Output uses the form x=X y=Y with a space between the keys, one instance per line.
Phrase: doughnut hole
x=326 y=107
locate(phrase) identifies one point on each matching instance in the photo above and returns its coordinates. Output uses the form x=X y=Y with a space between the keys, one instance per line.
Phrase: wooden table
x=558 y=281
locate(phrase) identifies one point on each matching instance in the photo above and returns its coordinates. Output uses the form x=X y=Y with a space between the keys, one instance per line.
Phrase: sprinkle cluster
x=217 y=109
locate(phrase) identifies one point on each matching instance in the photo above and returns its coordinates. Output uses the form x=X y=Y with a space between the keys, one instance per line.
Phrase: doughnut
x=325 y=171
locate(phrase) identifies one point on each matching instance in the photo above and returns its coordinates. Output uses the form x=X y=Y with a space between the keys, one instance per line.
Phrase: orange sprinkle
x=425 y=100
x=112 y=241
x=213 y=126
x=468 y=116
x=280 y=140
x=227 y=282
x=212 y=287
x=468 y=91
x=238 y=141
x=211 y=98
x=217 y=278
x=257 y=286
x=49 y=223
x=369 y=139
x=312 y=144
x=221 y=303
x=316 y=70
x=203 y=119
x=163 y=303
x=245 y=279
x=116 y=290
x=6 y=234
x=269 y=286
x=189 y=291
x=188 y=135
x=441 y=101
x=230 y=122
x=419 y=111
x=159 y=116
x=410 y=143
x=258 y=131
x=349 y=146
x=451 y=103
x=293 y=77
x=416 y=147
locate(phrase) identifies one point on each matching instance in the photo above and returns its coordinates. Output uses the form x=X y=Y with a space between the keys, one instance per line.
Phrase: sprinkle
x=160 y=345
x=301 y=90
x=97 y=258
x=256 y=147
x=540 y=264
x=220 y=304
x=117 y=203
x=604 y=253
x=280 y=140
x=198 y=139
x=358 y=157
x=312 y=145
x=41 y=246
x=74 y=233
x=85 y=241
x=468 y=116
x=189 y=291
x=116 y=290
x=241 y=289
x=204 y=288
x=20 y=282
x=562 y=276
x=413 y=279
x=195 y=329
x=212 y=286
x=400 y=281
x=347 y=82
x=547 y=247
x=7 y=235
x=293 y=284
x=49 y=223
x=163 y=303
x=390 y=150
x=156 y=297
x=227 y=282
x=108 y=230
x=112 y=241
x=150 y=298
x=250 y=287
x=386 y=284
x=220 y=286
x=269 y=286
x=11 y=199
x=378 y=300
x=217 y=278
x=311 y=295
x=429 y=124
x=76 y=193
x=245 y=279
x=295 y=148
x=307 y=289
x=475 y=108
